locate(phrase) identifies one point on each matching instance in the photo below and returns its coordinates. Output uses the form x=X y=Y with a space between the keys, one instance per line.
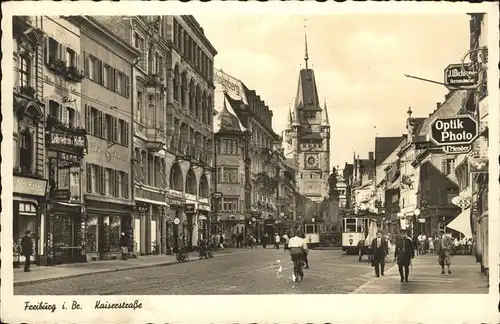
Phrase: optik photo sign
x=454 y=131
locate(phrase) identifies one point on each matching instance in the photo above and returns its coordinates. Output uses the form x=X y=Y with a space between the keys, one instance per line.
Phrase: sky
x=358 y=60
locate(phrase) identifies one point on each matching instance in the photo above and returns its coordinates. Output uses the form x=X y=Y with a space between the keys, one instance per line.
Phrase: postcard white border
x=261 y=308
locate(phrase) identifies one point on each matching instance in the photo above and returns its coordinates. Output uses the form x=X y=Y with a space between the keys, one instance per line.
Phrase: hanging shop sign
x=190 y=209
x=457 y=149
x=58 y=139
x=61 y=194
x=461 y=76
x=460 y=130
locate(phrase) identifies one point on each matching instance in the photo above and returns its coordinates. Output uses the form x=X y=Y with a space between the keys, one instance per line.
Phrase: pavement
x=248 y=271
x=426 y=278
x=64 y=271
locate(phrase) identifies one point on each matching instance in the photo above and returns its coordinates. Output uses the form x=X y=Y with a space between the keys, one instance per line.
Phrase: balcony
x=28 y=91
x=155 y=138
x=57 y=65
x=75 y=74
x=155 y=80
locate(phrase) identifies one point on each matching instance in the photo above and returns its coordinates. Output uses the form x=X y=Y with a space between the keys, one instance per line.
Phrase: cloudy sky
x=359 y=62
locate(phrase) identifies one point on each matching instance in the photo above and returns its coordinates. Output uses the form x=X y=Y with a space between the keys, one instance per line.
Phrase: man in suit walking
x=443 y=248
x=380 y=249
x=27 y=250
x=403 y=255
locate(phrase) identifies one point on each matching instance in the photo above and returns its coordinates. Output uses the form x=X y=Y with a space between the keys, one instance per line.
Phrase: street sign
x=189 y=209
x=457 y=149
x=462 y=76
x=217 y=195
x=458 y=130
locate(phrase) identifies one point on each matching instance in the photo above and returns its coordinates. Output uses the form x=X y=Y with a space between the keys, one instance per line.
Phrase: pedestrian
x=239 y=240
x=443 y=246
x=221 y=242
x=264 y=240
x=305 y=252
x=277 y=241
x=403 y=254
x=285 y=237
x=27 y=250
x=380 y=249
x=180 y=243
x=124 y=246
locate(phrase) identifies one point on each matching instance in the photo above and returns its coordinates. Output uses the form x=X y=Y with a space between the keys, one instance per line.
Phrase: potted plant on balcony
x=75 y=74
x=28 y=90
x=57 y=64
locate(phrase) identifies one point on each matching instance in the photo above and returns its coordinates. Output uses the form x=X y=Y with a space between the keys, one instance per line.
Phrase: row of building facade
x=122 y=125
x=113 y=133
x=410 y=182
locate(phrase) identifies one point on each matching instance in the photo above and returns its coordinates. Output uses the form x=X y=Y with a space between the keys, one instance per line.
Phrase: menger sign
x=459 y=130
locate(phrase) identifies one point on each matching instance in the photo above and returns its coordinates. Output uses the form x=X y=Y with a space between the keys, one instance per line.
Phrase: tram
x=355 y=230
x=312 y=231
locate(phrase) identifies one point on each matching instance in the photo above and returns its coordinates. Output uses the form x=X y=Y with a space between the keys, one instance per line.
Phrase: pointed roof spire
x=306 y=57
x=325 y=121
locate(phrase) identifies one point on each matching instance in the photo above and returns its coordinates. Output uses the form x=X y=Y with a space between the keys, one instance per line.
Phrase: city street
x=252 y=272
x=256 y=272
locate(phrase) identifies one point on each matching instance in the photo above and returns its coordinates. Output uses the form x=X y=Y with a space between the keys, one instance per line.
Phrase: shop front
x=28 y=214
x=190 y=211
x=177 y=223
x=203 y=219
x=148 y=222
x=104 y=223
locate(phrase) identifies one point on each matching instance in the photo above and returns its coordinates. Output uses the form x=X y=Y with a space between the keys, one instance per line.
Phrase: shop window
x=107 y=182
x=26 y=151
x=27 y=220
x=114 y=233
x=92 y=234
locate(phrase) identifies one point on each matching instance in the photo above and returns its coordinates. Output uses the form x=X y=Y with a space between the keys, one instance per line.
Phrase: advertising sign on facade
x=461 y=76
x=454 y=131
x=189 y=209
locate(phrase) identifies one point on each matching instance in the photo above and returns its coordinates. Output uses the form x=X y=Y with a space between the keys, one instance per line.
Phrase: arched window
x=176 y=83
x=26 y=151
x=176 y=182
x=183 y=89
x=191 y=186
x=204 y=189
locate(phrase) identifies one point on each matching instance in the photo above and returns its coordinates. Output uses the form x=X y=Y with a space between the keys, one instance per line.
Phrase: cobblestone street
x=256 y=272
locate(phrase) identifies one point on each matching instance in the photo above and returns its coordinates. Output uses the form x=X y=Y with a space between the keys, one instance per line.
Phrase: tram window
x=309 y=229
x=350 y=225
x=360 y=226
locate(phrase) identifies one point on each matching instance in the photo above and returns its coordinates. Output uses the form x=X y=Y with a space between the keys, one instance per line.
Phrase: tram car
x=356 y=230
x=312 y=231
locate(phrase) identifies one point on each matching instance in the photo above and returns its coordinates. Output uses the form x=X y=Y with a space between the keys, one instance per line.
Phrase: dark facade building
x=30 y=177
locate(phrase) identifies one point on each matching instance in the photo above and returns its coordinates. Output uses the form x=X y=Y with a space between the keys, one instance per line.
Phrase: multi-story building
x=363 y=188
x=434 y=184
x=261 y=173
x=65 y=142
x=472 y=169
x=107 y=103
x=30 y=183
x=190 y=94
x=147 y=35
x=307 y=137
x=231 y=139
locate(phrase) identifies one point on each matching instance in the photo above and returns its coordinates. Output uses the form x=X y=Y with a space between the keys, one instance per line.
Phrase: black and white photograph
x=249 y=154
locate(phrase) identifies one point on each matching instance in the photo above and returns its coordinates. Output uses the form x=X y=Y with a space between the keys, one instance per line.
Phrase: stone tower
x=307 y=137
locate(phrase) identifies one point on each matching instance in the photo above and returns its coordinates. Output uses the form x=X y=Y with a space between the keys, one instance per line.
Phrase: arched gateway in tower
x=307 y=137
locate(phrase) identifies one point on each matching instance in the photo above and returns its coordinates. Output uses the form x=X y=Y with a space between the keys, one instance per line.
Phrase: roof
x=307 y=93
x=226 y=118
x=384 y=146
x=449 y=108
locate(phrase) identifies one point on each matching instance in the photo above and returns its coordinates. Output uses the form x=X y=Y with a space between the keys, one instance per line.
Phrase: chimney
x=370 y=156
x=438 y=104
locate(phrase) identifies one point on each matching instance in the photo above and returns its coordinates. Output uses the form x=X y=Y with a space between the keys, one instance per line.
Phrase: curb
x=163 y=264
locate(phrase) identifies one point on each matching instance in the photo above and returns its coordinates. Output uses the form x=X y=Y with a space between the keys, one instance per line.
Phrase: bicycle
x=182 y=256
x=297 y=267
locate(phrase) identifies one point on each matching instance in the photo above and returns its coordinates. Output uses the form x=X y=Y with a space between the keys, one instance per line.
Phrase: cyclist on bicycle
x=297 y=246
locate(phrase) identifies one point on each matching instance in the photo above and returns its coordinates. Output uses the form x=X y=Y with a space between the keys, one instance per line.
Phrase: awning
x=461 y=223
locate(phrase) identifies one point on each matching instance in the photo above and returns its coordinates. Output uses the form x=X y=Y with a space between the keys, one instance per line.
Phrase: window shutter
x=127 y=86
x=115 y=75
x=89 y=177
x=64 y=50
x=87 y=118
x=64 y=115
x=86 y=64
x=443 y=166
x=125 y=184
x=103 y=180
x=100 y=72
x=77 y=61
x=111 y=182
x=47 y=50
x=126 y=137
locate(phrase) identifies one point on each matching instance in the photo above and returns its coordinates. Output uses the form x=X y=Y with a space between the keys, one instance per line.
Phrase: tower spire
x=306 y=56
